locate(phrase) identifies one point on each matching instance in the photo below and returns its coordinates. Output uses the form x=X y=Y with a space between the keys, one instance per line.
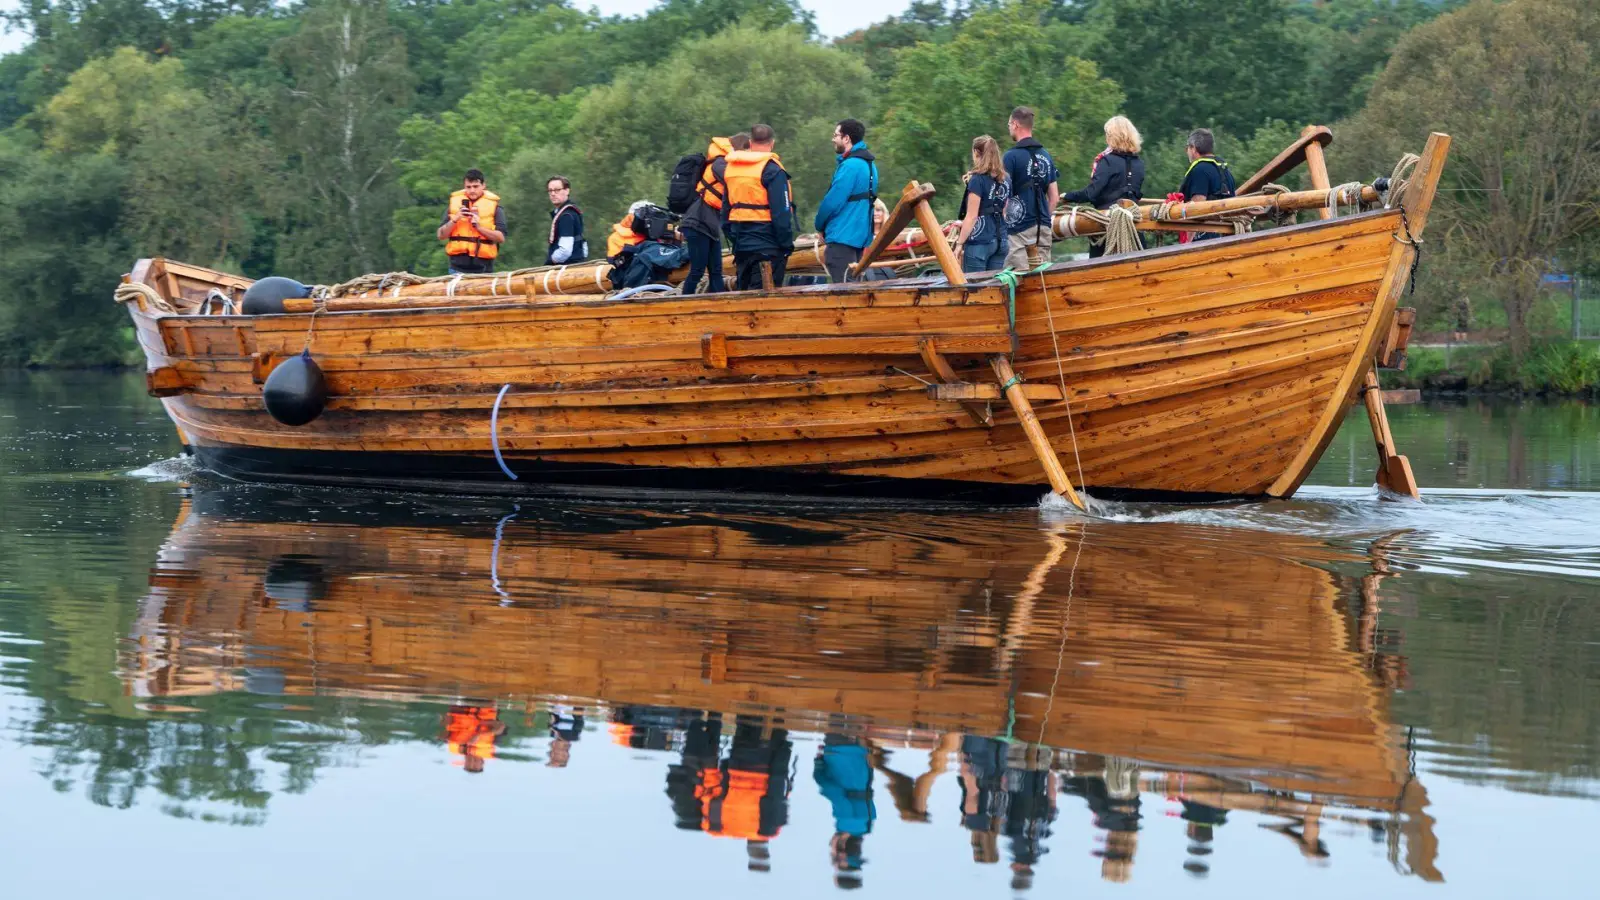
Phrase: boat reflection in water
x=1030 y=662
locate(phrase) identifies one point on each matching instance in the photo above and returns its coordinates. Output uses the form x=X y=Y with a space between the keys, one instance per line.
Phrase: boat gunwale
x=931 y=284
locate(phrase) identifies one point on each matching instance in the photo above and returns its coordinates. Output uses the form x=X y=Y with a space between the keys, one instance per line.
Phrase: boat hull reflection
x=1229 y=669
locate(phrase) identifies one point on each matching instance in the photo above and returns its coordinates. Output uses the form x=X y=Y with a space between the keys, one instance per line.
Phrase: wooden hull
x=1216 y=368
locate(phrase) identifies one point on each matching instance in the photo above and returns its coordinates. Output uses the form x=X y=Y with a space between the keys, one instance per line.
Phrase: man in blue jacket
x=844 y=218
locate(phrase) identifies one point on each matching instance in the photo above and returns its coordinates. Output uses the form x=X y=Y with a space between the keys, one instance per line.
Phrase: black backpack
x=681 y=192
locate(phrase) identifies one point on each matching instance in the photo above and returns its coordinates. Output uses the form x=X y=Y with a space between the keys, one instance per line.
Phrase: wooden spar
x=1316 y=165
x=1185 y=212
x=899 y=217
x=1284 y=162
x=941 y=249
x=1394 y=470
x=940 y=368
x=1012 y=385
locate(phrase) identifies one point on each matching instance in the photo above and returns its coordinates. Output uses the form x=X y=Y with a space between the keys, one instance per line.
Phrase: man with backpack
x=1208 y=178
x=844 y=218
x=760 y=219
x=698 y=191
x=1034 y=195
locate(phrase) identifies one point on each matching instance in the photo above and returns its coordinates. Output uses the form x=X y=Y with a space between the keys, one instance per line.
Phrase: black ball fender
x=296 y=392
x=267 y=295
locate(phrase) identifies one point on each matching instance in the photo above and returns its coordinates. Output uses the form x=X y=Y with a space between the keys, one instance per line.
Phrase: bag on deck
x=685 y=177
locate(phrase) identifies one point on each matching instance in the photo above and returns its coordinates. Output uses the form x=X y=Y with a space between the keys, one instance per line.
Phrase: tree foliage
x=943 y=95
x=1517 y=85
x=320 y=139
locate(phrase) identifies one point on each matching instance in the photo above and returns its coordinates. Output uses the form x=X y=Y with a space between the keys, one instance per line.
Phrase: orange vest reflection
x=470 y=732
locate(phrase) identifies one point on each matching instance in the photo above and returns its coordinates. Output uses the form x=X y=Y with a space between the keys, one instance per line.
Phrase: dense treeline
x=319 y=139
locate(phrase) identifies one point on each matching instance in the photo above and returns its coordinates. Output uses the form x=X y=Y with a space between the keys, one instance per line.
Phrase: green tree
x=1192 y=63
x=340 y=120
x=627 y=135
x=99 y=109
x=202 y=181
x=1517 y=86
x=64 y=253
x=944 y=95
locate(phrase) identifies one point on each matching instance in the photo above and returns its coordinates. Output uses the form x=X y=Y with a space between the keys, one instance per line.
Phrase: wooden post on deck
x=1012 y=386
x=1317 y=165
x=899 y=218
x=938 y=244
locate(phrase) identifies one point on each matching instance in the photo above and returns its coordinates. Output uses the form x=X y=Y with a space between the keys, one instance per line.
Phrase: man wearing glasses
x=566 y=225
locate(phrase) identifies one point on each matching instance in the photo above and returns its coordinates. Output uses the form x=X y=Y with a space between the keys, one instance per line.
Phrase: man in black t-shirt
x=1208 y=178
x=1034 y=194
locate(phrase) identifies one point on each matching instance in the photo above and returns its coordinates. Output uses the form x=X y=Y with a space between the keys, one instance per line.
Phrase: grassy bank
x=1568 y=368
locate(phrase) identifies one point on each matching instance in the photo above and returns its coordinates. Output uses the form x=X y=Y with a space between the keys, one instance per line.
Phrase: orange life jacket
x=470 y=731
x=622 y=236
x=464 y=239
x=747 y=196
x=711 y=188
x=730 y=803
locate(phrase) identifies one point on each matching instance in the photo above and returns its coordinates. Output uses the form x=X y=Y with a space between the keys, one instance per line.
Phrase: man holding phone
x=473 y=228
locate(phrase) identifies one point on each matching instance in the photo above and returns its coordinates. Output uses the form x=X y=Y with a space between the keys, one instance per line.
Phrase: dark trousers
x=748 y=267
x=705 y=258
x=836 y=258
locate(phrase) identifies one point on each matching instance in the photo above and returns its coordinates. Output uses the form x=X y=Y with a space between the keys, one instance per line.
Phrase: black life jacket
x=871 y=194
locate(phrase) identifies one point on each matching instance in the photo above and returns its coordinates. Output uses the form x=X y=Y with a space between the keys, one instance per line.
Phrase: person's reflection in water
x=1008 y=788
x=470 y=732
x=566 y=727
x=843 y=771
x=1113 y=798
x=1202 y=819
x=744 y=796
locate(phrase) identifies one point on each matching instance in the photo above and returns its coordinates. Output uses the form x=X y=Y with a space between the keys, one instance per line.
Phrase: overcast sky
x=834 y=17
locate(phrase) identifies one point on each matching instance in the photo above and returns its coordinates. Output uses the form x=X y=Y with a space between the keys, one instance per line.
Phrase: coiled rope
x=133 y=292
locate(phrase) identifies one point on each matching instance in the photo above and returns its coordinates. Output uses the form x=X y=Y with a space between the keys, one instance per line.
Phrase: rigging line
x=1055 y=344
x=1066 y=619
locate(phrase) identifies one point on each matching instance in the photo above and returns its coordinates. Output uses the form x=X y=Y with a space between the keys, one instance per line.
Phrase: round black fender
x=296 y=391
x=267 y=295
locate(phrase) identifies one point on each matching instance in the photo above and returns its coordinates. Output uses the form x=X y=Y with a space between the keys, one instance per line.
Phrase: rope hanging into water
x=1061 y=373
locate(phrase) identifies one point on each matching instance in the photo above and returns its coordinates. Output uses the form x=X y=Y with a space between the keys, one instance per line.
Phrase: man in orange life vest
x=760 y=211
x=473 y=228
x=470 y=732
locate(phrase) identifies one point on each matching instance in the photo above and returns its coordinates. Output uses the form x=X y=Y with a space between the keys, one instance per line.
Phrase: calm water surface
x=258 y=692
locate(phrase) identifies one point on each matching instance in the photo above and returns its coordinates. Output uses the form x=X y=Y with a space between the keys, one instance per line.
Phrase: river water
x=253 y=692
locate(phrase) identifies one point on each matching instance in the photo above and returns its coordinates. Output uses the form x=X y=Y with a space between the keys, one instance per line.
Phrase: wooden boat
x=1235 y=673
x=1217 y=368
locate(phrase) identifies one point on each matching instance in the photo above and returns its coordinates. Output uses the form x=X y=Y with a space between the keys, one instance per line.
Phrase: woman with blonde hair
x=1116 y=174
x=981 y=239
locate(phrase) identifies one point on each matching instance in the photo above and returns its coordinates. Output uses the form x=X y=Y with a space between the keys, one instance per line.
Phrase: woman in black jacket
x=1117 y=174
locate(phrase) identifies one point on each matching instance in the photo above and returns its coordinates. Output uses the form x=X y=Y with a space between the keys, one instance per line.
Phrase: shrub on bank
x=1554 y=367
